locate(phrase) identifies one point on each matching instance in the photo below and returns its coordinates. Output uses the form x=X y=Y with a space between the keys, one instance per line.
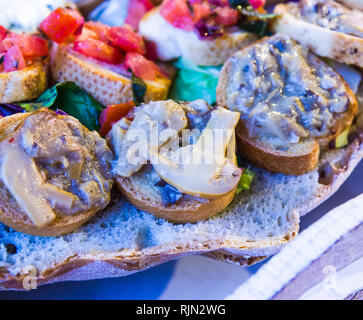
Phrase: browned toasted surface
x=104 y=85
x=277 y=161
x=190 y=210
x=267 y=157
x=25 y=84
x=13 y=216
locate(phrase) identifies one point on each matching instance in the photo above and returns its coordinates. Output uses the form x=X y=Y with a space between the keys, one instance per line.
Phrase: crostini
x=326 y=27
x=202 y=35
x=23 y=66
x=298 y=106
x=54 y=173
x=101 y=59
x=183 y=168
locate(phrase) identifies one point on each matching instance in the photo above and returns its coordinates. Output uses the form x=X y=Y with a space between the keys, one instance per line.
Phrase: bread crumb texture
x=258 y=218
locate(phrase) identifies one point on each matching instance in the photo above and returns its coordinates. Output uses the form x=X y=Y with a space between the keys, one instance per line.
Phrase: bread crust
x=98 y=265
x=13 y=216
x=25 y=84
x=324 y=42
x=104 y=85
x=273 y=160
x=182 y=212
x=280 y=161
x=187 y=44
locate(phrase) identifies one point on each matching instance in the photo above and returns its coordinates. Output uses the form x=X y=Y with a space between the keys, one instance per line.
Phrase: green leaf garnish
x=245 y=181
x=138 y=89
x=342 y=140
x=73 y=100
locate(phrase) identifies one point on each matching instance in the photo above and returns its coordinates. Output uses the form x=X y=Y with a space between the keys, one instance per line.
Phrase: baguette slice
x=172 y=43
x=298 y=158
x=13 y=216
x=142 y=194
x=106 y=86
x=26 y=84
x=324 y=42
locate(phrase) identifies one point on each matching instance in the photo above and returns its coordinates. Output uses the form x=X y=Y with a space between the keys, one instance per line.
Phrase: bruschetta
x=292 y=104
x=326 y=27
x=101 y=59
x=187 y=173
x=23 y=66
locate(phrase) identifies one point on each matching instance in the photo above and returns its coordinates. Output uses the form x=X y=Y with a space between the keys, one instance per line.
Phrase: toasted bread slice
x=299 y=159
x=13 y=216
x=106 y=86
x=324 y=42
x=140 y=191
x=296 y=158
x=172 y=42
x=25 y=84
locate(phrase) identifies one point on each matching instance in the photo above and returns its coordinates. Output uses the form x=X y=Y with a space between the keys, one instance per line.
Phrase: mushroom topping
x=52 y=165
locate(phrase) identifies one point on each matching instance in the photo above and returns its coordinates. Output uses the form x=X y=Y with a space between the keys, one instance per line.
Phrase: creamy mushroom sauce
x=332 y=15
x=284 y=92
x=69 y=158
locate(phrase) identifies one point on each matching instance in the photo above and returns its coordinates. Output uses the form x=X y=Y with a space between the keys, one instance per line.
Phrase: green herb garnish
x=73 y=100
x=138 y=89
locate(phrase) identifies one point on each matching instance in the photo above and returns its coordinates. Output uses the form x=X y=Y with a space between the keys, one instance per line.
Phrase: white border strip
x=298 y=254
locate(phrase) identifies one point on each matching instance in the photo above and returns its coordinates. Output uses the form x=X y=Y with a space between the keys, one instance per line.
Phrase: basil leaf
x=236 y=4
x=138 y=89
x=245 y=181
x=71 y=99
x=258 y=27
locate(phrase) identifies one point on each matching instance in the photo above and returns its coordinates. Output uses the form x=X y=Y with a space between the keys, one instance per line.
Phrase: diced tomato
x=112 y=114
x=87 y=34
x=200 y=10
x=31 y=46
x=177 y=13
x=126 y=39
x=2 y=61
x=98 y=50
x=13 y=60
x=3 y=33
x=100 y=29
x=61 y=24
x=142 y=67
x=226 y=16
x=257 y=3
x=136 y=10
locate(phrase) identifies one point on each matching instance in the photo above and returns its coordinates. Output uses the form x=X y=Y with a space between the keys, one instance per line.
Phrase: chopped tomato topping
x=3 y=33
x=31 y=46
x=101 y=30
x=257 y=3
x=86 y=34
x=136 y=10
x=178 y=14
x=98 y=50
x=126 y=39
x=13 y=59
x=200 y=10
x=142 y=67
x=226 y=16
x=62 y=24
x=112 y=114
